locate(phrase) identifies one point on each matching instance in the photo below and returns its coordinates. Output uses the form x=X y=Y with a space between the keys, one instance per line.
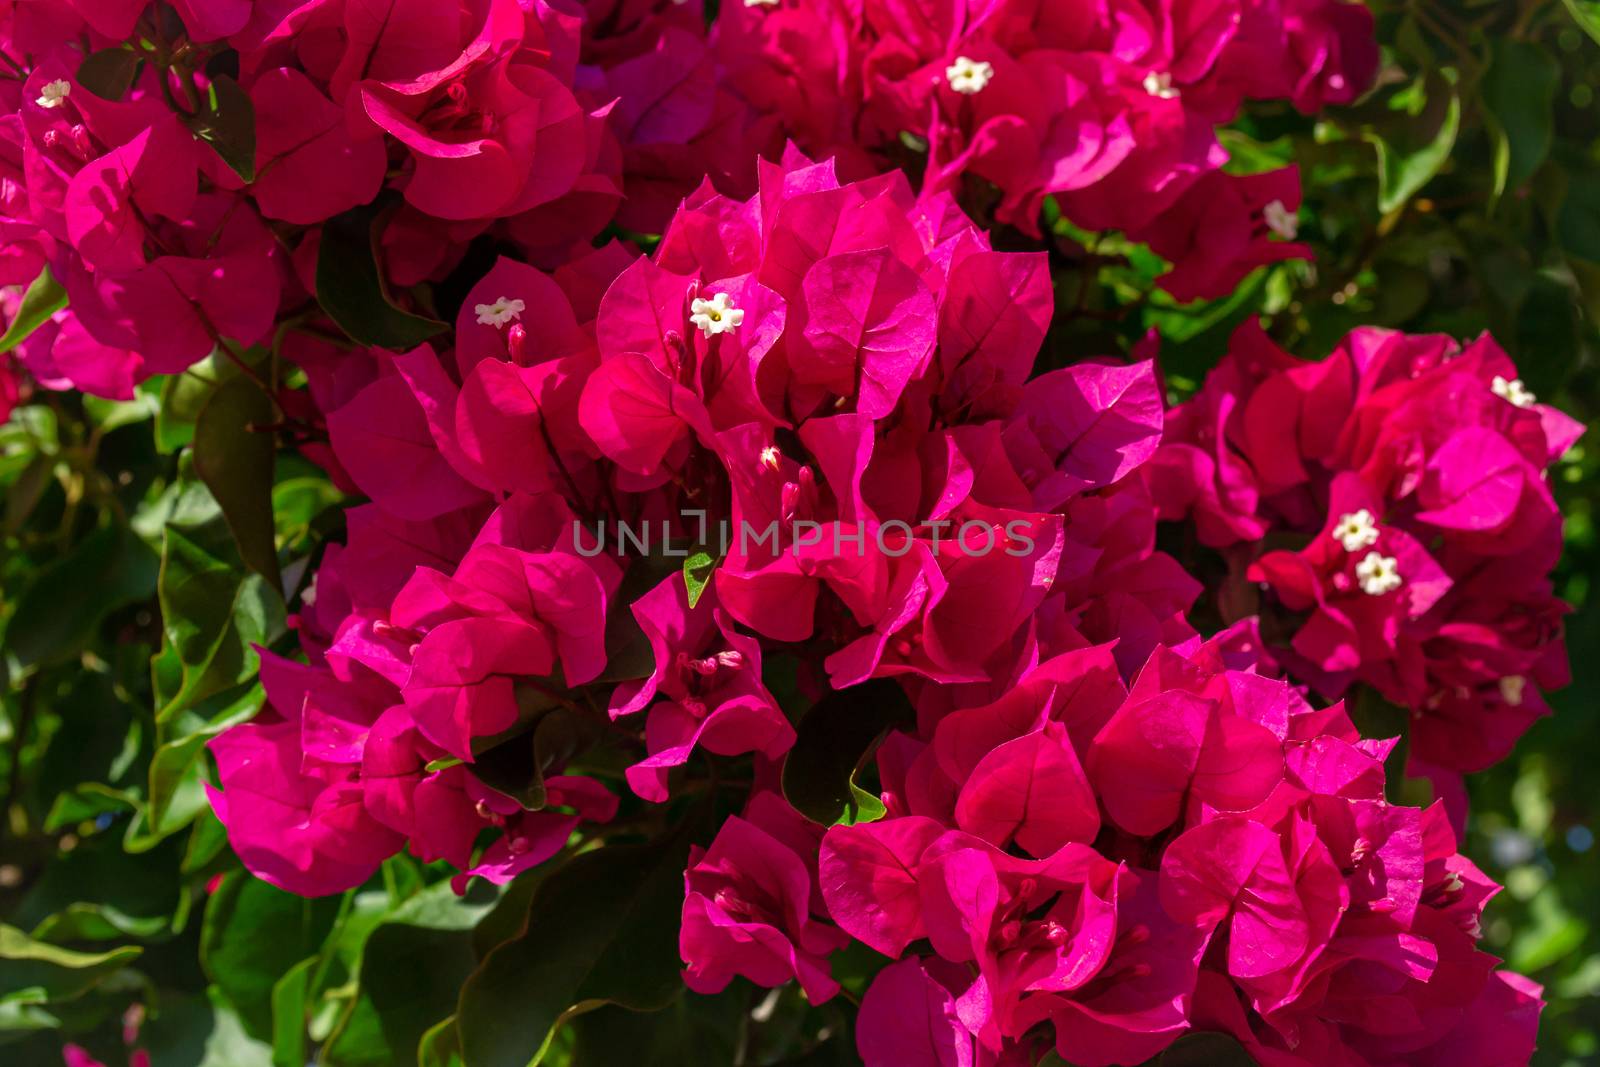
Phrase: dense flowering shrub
x=1391 y=501
x=782 y=555
x=1110 y=108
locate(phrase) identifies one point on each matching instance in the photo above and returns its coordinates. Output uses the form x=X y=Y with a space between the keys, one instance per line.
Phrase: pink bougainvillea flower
x=747 y=911
x=308 y=167
x=1410 y=468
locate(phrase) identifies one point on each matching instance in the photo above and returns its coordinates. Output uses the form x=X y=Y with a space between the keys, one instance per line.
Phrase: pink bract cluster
x=1108 y=107
x=620 y=496
x=1199 y=849
x=1121 y=861
x=1392 y=503
x=489 y=118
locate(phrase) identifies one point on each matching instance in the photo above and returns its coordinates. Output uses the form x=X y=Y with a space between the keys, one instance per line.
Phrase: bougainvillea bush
x=915 y=534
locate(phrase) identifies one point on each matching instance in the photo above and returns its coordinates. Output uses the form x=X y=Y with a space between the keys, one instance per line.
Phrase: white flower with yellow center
x=754 y=3
x=1512 y=390
x=54 y=94
x=1159 y=84
x=1511 y=689
x=769 y=458
x=968 y=76
x=1356 y=531
x=1378 y=574
x=501 y=312
x=1281 y=221
x=716 y=315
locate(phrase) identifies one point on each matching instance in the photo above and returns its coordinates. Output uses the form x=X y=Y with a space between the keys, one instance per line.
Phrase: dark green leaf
x=440 y=1046
x=834 y=740
x=43 y=298
x=1206 y=1050
x=601 y=929
x=351 y=289
x=210 y=621
x=1519 y=91
x=227 y=122
x=61 y=608
x=411 y=971
x=1414 y=143
x=252 y=935
x=109 y=73
x=233 y=455
x=692 y=1029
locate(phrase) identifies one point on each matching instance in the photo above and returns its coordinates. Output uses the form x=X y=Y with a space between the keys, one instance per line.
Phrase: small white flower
x=716 y=315
x=755 y=3
x=1378 y=574
x=500 y=312
x=1159 y=84
x=308 y=596
x=769 y=458
x=968 y=76
x=1511 y=689
x=1356 y=531
x=1281 y=221
x=55 y=93
x=1512 y=390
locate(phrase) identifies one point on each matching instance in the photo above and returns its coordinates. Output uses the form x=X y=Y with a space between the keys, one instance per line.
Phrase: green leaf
x=833 y=741
x=411 y=971
x=60 y=610
x=1206 y=1050
x=1578 y=221
x=183 y=397
x=290 y=996
x=552 y=734
x=1587 y=14
x=440 y=1046
x=43 y=298
x=109 y=73
x=697 y=572
x=603 y=929
x=227 y=122
x=1519 y=92
x=692 y=1029
x=177 y=770
x=210 y=620
x=38 y=972
x=1415 y=142
x=204 y=1031
x=252 y=935
x=234 y=457
x=351 y=289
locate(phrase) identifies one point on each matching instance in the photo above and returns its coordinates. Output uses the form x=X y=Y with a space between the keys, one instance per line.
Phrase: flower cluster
x=631 y=521
x=1108 y=108
x=906 y=502
x=1199 y=850
x=174 y=175
x=1393 y=504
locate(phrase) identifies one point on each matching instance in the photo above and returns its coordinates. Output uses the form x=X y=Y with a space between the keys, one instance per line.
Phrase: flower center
x=500 y=312
x=1159 y=84
x=1513 y=391
x=714 y=316
x=1281 y=221
x=1356 y=530
x=53 y=94
x=1378 y=574
x=968 y=76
